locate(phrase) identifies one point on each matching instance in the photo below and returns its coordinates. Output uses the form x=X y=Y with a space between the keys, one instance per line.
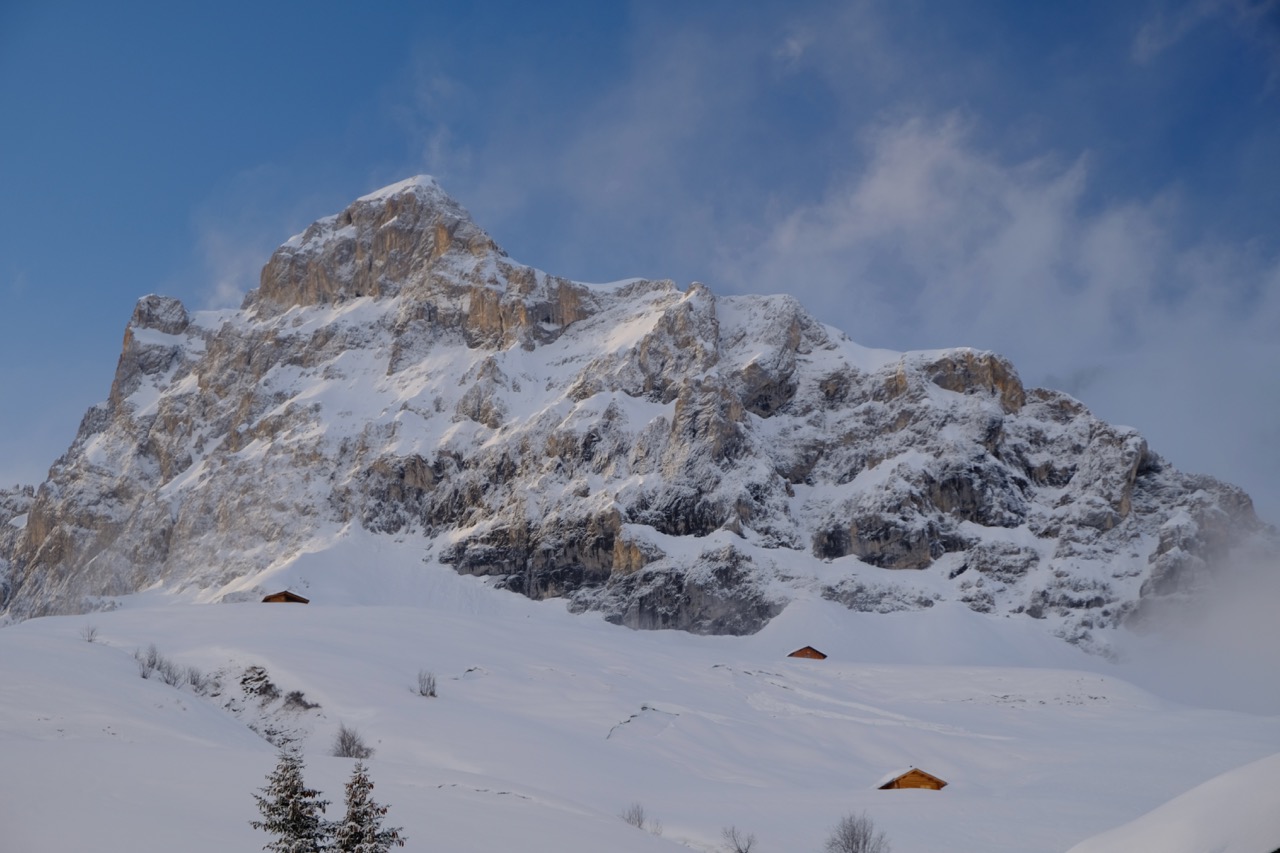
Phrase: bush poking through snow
x=348 y=744
x=856 y=833
x=152 y=662
x=197 y=679
x=635 y=815
x=170 y=673
x=737 y=841
x=295 y=701
x=426 y=683
x=361 y=830
x=89 y=633
x=148 y=661
x=290 y=810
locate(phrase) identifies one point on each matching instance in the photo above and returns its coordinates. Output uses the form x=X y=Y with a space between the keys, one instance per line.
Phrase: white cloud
x=1219 y=651
x=794 y=46
x=1168 y=26
x=1255 y=22
x=434 y=96
x=232 y=265
x=889 y=214
x=936 y=243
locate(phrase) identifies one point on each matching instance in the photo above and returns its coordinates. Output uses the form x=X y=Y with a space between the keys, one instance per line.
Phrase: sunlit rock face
x=669 y=457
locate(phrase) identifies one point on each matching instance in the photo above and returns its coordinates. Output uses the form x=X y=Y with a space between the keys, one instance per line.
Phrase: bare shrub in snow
x=856 y=833
x=426 y=683
x=89 y=633
x=196 y=679
x=151 y=662
x=737 y=841
x=148 y=661
x=636 y=815
x=348 y=744
x=295 y=701
x=170 y=673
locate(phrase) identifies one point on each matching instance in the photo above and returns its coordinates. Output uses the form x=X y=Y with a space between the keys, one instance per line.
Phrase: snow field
x=547 y=725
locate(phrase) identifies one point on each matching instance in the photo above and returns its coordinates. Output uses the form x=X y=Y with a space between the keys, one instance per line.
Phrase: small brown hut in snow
x=285 y=597
x=808 y=652
x=912 y=777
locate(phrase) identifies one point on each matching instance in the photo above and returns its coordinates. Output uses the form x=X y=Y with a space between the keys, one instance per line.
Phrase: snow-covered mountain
x=668 y=457
x=401 y=422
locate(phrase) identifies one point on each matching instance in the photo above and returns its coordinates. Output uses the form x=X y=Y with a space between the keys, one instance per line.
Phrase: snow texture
x=547 y=725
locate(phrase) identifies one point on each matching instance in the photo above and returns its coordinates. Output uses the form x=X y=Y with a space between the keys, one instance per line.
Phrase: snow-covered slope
x=666 y=457
x=547 y=725
x=1237 y=812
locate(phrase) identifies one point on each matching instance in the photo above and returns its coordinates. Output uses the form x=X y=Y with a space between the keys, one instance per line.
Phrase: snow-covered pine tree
x=361 y=830
x=290 y=810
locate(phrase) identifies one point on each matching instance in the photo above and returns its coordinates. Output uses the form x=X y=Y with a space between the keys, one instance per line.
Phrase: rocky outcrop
x=719 y=592
x=671 y=458
x=372 y=248
x=15 y=503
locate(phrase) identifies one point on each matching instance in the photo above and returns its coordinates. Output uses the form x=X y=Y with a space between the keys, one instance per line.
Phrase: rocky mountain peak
x=162 y=313
x=413 y=241
x=379 y=244
x=669 y=457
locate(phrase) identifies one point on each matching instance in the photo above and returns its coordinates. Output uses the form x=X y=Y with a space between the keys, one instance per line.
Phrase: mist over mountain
x=668 y=457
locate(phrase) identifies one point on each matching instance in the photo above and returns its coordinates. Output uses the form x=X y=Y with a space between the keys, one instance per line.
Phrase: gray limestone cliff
x=669 y=457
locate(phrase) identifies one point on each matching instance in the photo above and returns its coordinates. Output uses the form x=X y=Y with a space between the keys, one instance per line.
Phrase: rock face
x=14 y=505
x=671 y=458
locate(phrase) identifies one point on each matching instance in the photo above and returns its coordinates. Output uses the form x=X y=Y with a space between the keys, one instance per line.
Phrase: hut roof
x=887 y=780
x=807 y=652
x=285 y=596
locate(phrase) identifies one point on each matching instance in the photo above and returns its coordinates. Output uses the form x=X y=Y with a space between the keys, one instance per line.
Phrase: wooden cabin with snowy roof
x=912 y=777
x=808 y=652
x=285 y=597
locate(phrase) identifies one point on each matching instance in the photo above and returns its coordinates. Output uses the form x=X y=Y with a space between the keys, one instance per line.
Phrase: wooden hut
x=808 y=652
x=912 y=777
x=284 y=597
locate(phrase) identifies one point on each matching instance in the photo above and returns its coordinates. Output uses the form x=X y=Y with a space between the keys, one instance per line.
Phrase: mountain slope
x=667 y=457
x=547 y=725
x=1232 y=813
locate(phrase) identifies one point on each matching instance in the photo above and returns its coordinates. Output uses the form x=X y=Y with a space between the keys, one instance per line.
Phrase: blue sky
x=1091 y=188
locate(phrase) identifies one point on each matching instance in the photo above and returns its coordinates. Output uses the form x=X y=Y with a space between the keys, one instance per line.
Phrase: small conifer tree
x=290 y=810
x=361 y=830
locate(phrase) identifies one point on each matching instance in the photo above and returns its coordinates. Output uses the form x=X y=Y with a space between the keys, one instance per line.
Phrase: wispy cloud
x=425 y=117
x=1170 y=24
x=1217 y=651
x=236 y=228
x=1254 y=22
x=939 y=243
x=232 y=263
x=909 y=190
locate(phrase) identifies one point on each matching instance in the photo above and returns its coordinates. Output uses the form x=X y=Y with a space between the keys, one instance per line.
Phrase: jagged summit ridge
x=673 y=458
x=380 y=243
